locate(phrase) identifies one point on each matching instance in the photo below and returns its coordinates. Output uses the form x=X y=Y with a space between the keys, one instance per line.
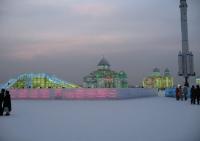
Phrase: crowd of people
x=182 y=93
x=5 y=102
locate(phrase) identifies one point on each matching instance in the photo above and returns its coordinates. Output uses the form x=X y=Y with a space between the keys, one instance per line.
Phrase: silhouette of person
x=1 y=101
x=7 y=103
x=177 y=94
x=185 y=92
x=181 y=93
x=192 y=94
x=198 y=94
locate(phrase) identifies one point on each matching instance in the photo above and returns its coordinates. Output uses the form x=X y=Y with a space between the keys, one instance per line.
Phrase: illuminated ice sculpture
x=104 y=77
x=156 y=80
x=198 y=80
x=37 y=80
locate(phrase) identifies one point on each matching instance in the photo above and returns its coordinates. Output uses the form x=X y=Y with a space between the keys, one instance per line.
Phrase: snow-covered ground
x=142 y=119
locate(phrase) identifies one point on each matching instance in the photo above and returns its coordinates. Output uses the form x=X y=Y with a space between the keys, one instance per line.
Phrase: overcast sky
x=69 y=37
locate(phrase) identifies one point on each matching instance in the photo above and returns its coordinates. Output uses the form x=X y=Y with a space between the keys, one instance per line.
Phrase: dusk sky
x=69 y=37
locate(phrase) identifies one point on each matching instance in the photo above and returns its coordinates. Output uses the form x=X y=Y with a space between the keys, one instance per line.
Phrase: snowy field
x=142 y=119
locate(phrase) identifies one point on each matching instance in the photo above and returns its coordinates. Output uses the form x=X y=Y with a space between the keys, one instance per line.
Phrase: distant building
x=156 y=80
x=104 y=77
x=198 y=80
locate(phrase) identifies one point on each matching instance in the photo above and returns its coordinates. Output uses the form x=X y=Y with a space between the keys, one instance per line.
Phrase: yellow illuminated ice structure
x=198 y=81
x=156 y=80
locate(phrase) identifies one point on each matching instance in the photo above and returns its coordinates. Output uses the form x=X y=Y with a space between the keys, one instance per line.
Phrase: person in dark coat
x=185 y=92
x=1 y=101
x=198 y=94
x=193 y=94
x=7 y=103
x=177 y=94
x=181 y=93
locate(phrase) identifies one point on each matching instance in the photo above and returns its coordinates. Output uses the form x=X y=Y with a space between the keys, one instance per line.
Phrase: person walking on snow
x=192 y=94
x=1 y=101
x=198 y=94
x=185 y=92
x=177 y=94
x=181 y=93
x=7 y=103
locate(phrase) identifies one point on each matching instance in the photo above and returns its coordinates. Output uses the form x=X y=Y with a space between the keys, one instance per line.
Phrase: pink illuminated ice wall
x=80 y=93
x=63 y=93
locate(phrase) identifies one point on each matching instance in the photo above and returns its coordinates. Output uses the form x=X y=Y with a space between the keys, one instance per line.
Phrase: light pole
x=185 y=57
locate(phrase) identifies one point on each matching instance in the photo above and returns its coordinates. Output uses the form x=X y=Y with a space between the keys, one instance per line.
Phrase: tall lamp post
x=185 y=57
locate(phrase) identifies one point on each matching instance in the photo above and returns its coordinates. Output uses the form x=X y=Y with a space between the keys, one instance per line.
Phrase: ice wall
x=82 y=93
